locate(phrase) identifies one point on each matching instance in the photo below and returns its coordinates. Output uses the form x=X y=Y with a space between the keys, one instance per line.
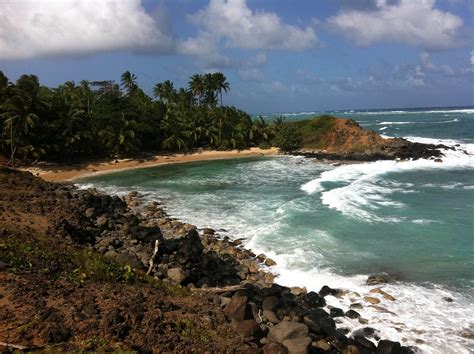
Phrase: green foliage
x=288 y=138
x=313 y=132
x=103 y=118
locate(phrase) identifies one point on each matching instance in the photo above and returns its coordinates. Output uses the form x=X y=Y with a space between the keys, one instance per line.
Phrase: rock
x=248 y=328
x=224 y=300
x=382 y=309
x=357 y=306
x=102 y=221
x=313 y=300
x=297 y=345
x=377 y=279
x=320 y=323
x=261 y=257
x=287 y=330
x=388 y=347
x=238 y=309
x=89 y=212
x=364 y=342
x=208 y=231
x=438 y=160
x=176 y=275
x=372 y=300
x=271 y=316
x=352 y=314
x=326 y=290
x=323 y=345
x=297 y=291
x=448 y=299
x=385 y=295
x=336 y=312
x=270 y=262
x=274 y=348
x=351 y=349
x=363 y=321
x=270 y=303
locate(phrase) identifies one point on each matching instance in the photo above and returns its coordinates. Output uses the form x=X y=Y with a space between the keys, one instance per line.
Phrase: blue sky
x=278 y=55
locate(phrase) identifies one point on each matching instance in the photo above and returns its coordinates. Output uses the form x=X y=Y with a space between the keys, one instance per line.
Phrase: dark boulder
x=388 y=347
x=336 y=312
x=352 y=314
x=238 y=309
x=312 y=300
x=321 y=324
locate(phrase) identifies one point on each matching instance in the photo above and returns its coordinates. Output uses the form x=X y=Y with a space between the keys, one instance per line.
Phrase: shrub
x=288 y=139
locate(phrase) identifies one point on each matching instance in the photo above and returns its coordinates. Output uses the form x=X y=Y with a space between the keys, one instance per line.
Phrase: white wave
x=418 y=315
x=298 y=114
x=395 y=123
x=362 y=192
x=383 y=128
x=423 y=221
x=464 y=111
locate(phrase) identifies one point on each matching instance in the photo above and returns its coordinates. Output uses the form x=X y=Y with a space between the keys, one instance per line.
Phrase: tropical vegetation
x=106 y=118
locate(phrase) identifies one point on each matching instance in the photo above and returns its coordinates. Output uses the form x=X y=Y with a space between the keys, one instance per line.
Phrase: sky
x=278 y=55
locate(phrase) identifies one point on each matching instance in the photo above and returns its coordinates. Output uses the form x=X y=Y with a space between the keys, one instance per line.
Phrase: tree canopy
x=106 y=118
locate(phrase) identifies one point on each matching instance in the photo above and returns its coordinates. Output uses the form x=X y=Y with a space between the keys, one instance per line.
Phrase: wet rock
x=356 y=305
x=176 y=275
x=438 y=160
x=388 y=347
x=248 y=328
x=287 y=330
x=352 y=314
x=326 y=290
x=385 y=295
x=297 y=345
x=448 y=299
x=274 y=348
x=238 y=309
x=372 y=300
x=336 y=312
x=297 y=291
x=377 y=279
x=89 y=212
x=312 y=300
x=320 y=323
x=270 y=262
x=364 y=342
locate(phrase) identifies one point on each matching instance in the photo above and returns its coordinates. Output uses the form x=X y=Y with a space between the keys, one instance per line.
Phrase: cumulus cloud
x=239 y=27
x=45 y=28
x=414 y=22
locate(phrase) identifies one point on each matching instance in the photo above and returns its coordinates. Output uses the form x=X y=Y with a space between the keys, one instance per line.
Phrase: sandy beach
x=65 y=172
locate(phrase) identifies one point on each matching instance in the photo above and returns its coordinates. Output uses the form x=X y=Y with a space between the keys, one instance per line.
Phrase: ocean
x=335 y=225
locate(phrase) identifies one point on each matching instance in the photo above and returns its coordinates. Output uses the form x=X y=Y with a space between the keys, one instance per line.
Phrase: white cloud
x=239 y=27
x=44 y=28
x=414 y=22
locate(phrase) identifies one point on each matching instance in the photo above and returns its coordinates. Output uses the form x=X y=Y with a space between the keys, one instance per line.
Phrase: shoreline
x=68 y=172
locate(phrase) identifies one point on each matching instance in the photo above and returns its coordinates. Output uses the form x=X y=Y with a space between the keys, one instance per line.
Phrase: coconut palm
x=196 y=86
x=129 y=82
x=165 y=91
x=221 y=84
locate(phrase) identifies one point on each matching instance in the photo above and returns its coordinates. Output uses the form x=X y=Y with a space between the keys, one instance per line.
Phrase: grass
x=24 y=252
x=314 y=131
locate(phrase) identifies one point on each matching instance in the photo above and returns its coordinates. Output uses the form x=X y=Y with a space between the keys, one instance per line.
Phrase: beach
x=66 y=172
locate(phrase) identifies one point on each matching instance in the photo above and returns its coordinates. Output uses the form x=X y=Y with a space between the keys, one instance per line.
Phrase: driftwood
x=151 y=262
x=219 y=289
x=14 y=346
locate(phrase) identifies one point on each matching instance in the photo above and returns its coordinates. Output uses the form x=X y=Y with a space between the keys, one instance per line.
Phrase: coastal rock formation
x=334 y=138
x=74 y=275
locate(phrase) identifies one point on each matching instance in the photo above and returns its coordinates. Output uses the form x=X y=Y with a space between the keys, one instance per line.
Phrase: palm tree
x=129 y=82
x=17 y=122
x=210 y=90
x=165 y=91
x=196 y=86
x=221 y=84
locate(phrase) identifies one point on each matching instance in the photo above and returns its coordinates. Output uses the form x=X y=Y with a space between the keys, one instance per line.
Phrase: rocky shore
x=80 y=270
x=391 y=149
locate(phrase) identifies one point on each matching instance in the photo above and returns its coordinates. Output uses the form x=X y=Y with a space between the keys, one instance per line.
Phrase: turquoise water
x=335 y=225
